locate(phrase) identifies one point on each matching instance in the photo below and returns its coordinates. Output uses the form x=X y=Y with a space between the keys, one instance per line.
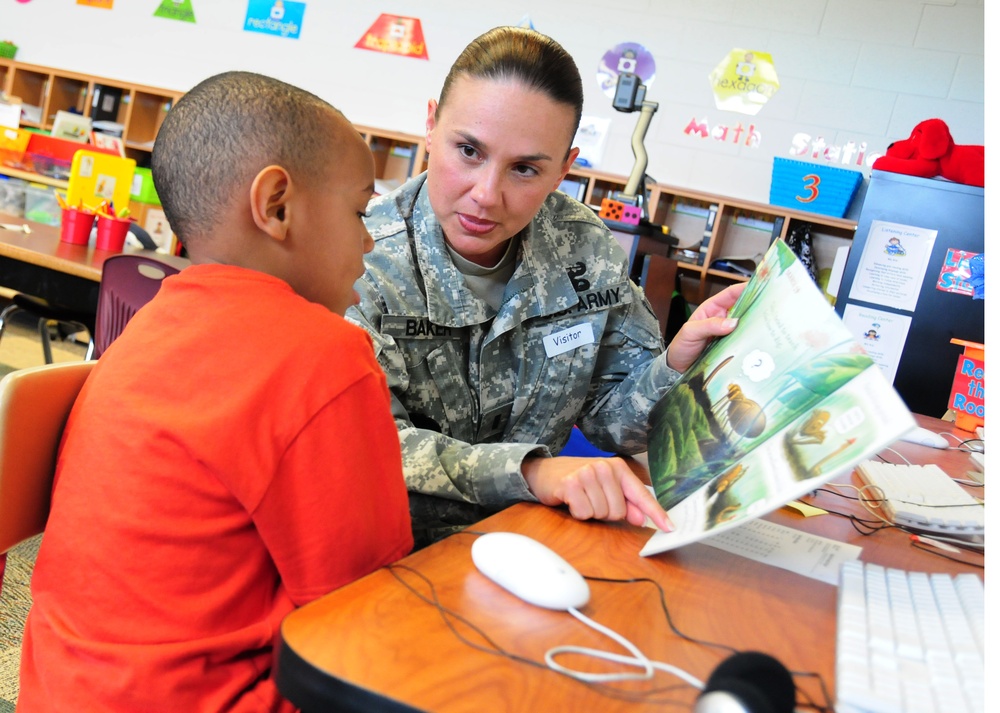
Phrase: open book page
x=783 y=404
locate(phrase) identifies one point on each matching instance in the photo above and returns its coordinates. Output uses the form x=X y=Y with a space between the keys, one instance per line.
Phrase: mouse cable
x=808 y=701
x=653 y=696
x=603 y=688
x=637 y=659
x=869 y=496
x=970 y=445
x=666 y=610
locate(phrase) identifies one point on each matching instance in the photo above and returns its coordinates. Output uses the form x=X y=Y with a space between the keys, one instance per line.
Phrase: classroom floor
x=20 y=347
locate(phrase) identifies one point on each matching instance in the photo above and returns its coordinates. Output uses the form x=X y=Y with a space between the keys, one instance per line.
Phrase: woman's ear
x=567 y=165
x=432 y=107
x=269 y=201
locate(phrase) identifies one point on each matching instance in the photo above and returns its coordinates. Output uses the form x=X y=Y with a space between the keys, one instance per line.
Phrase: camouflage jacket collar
x=541 y=284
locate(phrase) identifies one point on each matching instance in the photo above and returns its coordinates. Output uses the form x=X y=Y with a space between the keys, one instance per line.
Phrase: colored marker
x=935 y=543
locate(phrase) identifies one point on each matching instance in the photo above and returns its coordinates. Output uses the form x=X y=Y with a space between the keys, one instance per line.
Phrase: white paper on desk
x=785 y=547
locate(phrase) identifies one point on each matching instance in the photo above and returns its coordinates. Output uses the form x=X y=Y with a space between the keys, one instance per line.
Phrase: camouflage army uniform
x=474 y=391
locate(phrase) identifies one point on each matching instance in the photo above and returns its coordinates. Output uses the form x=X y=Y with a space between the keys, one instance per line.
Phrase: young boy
x=232 y=455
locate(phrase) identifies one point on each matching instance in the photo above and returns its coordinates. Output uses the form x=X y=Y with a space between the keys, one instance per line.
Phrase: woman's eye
x=468 y=151
x=526 y=170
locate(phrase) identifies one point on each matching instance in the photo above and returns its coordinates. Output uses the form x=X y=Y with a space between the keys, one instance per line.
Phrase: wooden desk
x=375 y=646
x=40 y=264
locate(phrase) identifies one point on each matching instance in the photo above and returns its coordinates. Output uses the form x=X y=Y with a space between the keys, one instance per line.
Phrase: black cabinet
x=926 y=366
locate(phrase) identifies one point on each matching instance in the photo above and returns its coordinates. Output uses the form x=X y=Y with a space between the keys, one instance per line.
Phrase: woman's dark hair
x=517 y=53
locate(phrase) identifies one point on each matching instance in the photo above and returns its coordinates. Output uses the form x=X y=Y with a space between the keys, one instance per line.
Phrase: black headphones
x=748 y=682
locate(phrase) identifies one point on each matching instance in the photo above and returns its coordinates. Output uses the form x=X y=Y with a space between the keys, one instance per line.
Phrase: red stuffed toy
x=930 y=151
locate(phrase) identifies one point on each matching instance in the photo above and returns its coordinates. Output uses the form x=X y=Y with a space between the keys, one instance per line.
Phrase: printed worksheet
x=893 y=265
x=881 y=333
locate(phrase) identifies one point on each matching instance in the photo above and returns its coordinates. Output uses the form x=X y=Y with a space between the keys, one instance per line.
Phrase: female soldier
x=501 y=310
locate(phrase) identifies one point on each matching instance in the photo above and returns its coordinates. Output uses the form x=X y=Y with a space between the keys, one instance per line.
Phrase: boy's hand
x=594 y=488
x=708 y=322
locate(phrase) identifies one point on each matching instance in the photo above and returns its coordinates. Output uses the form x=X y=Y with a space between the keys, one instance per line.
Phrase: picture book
x=768 y=413
x=107 y=141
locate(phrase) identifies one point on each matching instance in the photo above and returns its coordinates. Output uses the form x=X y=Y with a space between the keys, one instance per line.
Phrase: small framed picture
x=71 y=127
x=107 y=141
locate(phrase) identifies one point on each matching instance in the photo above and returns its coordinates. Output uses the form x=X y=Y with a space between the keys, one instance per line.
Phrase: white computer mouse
x=527 y=568
x=924 y=437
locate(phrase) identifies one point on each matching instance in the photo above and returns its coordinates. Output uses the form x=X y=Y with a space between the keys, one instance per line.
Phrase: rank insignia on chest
x=576 y=272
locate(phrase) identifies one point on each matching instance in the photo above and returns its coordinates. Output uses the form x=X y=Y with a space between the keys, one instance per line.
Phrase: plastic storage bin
x=143 y=190
x=12 y=196
x=813 y=187
x=41 y=206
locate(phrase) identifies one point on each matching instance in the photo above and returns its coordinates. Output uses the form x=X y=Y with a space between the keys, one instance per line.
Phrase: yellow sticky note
x=804 y=509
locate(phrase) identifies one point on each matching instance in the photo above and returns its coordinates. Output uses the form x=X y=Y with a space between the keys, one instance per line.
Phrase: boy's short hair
x=222 y=133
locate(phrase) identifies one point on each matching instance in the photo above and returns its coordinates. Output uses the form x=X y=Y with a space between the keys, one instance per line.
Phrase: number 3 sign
x=811 y=186
x=816 y=188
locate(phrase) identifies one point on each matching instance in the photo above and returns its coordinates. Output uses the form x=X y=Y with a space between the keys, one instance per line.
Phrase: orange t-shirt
x=232 y=456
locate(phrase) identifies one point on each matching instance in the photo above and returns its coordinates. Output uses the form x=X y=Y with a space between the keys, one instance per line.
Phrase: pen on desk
x=935 y=543
x=23 y=228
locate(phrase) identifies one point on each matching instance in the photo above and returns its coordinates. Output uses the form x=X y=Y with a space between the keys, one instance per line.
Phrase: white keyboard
x=909 y=642
x=924 y=497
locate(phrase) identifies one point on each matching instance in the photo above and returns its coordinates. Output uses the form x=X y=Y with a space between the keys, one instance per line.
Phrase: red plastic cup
x=111 y=234
x=76 y=226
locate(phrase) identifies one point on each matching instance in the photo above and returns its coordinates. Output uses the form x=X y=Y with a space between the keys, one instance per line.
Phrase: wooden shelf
x=398 y=156
x=740 y=228
x=141 y=109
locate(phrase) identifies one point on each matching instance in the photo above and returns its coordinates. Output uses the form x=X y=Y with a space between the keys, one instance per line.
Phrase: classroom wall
x=861 y=71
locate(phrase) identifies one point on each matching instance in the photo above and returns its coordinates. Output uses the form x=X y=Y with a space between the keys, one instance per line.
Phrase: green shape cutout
x=171 y=10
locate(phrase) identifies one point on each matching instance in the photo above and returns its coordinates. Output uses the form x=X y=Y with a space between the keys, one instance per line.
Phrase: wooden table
x=40 y=264
x=375 y=646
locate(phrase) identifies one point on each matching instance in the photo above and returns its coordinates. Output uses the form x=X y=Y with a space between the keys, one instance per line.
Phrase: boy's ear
x=269 y=197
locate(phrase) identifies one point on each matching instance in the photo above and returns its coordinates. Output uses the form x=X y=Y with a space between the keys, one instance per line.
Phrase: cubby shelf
x=738 y=229
x=138 y=108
